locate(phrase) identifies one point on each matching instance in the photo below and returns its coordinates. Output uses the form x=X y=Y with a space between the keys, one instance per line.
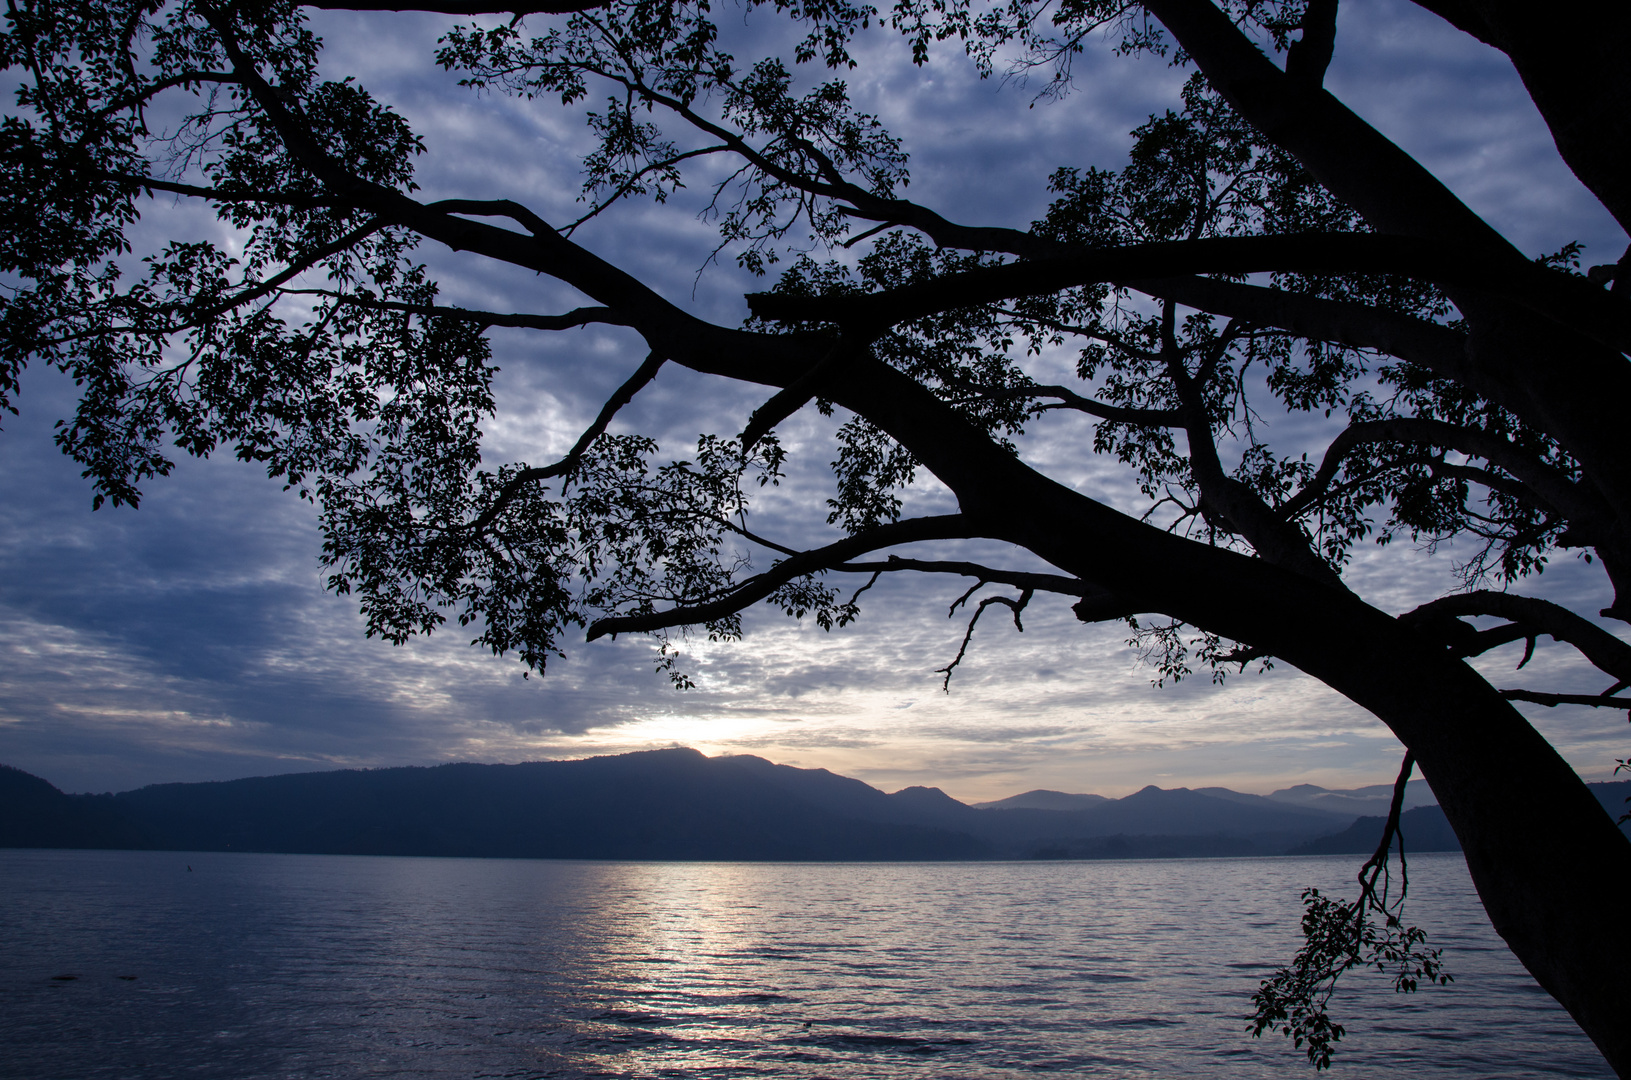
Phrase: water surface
x=250 y=966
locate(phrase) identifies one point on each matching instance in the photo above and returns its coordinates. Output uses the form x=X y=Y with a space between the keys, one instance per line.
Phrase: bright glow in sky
x=192 y=639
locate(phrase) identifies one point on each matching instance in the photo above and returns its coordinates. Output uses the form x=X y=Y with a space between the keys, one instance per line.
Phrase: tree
x=1262 y=245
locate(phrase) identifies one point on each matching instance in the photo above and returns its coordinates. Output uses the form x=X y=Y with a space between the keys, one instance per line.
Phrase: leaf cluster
x=205 y=345
x=619 y=534
x=1338 y=937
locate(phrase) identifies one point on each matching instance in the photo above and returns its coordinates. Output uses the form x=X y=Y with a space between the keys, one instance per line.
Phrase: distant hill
x=1374 y=799
x=659 y=804
x=33 y=813
x=1425 y=828
x=1042 y=799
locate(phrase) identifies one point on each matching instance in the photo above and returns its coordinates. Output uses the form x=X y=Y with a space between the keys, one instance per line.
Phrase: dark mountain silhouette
x=33 y=813
x=1154 y=810
x=664 y=804
x=660 y=804
x=1373 y=799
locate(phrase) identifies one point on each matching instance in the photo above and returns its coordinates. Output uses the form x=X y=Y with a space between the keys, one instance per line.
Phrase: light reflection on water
x=329 y=966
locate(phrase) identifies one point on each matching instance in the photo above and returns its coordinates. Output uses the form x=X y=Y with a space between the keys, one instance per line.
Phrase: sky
x=192 y=639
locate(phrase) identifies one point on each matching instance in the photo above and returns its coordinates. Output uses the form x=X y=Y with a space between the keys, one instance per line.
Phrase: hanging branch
x=1339 y=936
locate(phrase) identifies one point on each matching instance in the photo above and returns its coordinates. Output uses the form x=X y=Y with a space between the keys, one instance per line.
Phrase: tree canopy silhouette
x=1262 y=248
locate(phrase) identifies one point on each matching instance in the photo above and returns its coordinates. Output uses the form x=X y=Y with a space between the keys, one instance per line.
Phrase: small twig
x=876 y=229
x=961 y=600
x=1016 y=606
x=871 y=581
x=577 y=317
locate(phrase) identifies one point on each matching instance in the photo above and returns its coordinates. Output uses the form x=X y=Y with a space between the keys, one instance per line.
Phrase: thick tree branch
x=1347 y=155
x=796 y=394
x=1464 y=641
x=1562 y=384
x=1436 y=347
x=1492 y=480
x=1272 y=536
x=1309 y=56
x=159 y=86
x=1606 y=652
x=1577 y=76
x=1572 y=302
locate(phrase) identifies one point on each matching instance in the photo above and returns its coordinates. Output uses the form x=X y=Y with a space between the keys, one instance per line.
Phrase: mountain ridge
x=674 y=803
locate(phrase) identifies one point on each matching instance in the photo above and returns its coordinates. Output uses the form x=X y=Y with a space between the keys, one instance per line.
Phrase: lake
x=249 y=966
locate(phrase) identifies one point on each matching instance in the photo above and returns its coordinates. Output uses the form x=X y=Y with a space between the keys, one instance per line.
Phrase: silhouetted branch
x=455 y=7
x=1339 y=936
x=1378 y=860
x=633 y=181
x=1573 y=302
x=756 y=588
x=1308 y=57
x=1551 y=485
x=1241 y=655
x=1054 y=583
x=795 y=395
x=1069 y=399
x=1607 y=652
x=1605 y=700
x=625 y=393
x=1016 y=606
